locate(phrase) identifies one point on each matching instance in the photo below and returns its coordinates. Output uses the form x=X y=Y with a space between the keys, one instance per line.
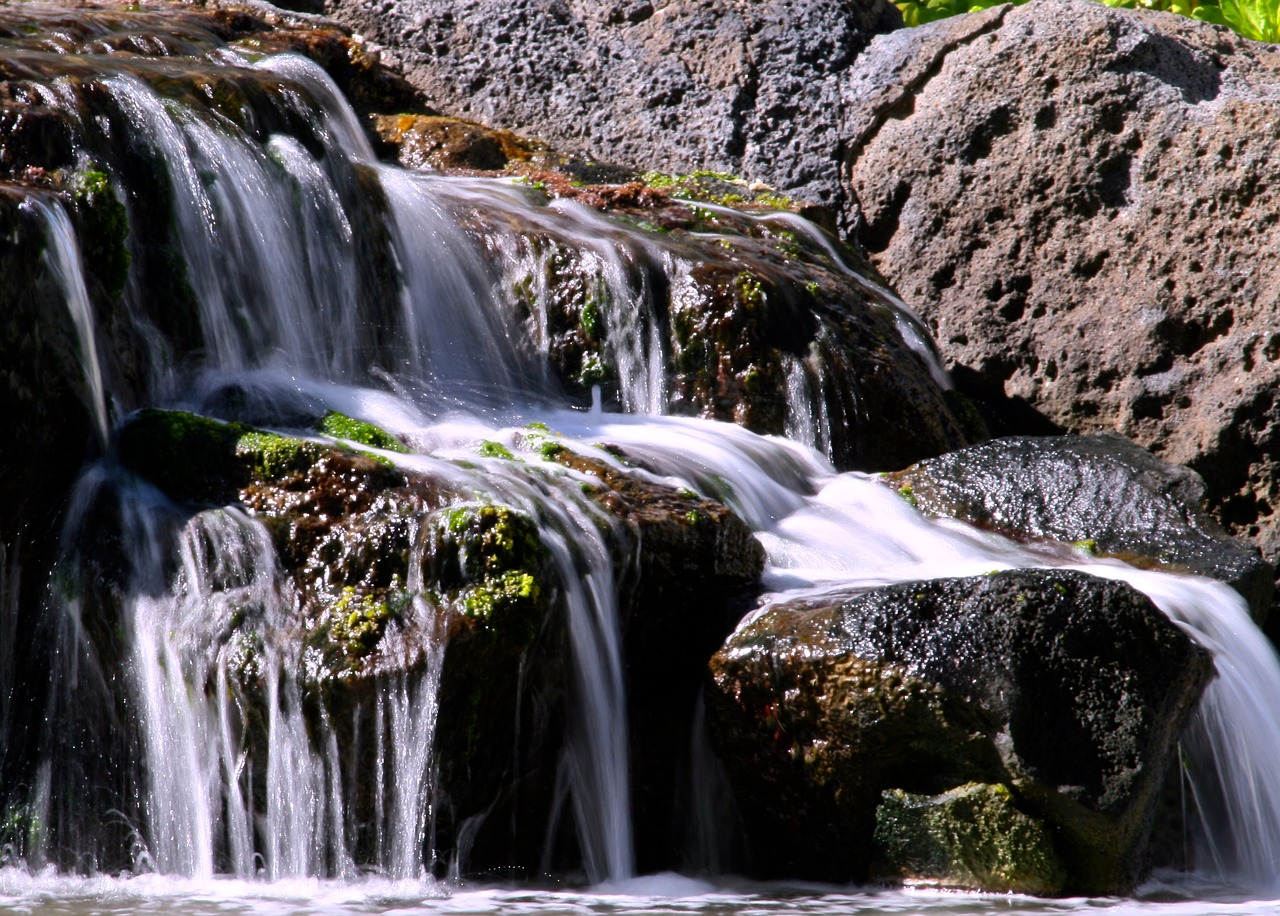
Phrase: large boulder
x=1069 y=691
x=1079 y=201
x=678 y=86
x=1101 y=494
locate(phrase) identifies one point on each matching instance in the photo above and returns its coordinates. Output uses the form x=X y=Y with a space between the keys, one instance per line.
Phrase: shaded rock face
x=1068 y=689
x=972 y=837
x=677 y=86
x=1078 y=200
x=1100 y=493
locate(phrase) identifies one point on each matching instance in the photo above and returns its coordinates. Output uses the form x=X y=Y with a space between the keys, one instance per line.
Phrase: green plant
x=1256 y=19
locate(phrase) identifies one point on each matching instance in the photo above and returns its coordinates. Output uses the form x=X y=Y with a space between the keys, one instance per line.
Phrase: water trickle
x=63 y=258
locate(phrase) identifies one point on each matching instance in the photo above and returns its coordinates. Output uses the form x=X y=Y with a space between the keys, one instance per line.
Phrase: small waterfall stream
x=325 y=280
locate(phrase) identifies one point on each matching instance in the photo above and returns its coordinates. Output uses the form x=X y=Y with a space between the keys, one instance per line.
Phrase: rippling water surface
x=46 y=894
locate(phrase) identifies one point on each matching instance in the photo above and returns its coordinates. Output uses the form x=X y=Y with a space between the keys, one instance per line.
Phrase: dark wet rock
x=391 y=576
x=1099 y=493
x=677 y=86
x=49 y=430
x=972 y=837
x=1070 y=690
x=1077 y=198
x=763 y=320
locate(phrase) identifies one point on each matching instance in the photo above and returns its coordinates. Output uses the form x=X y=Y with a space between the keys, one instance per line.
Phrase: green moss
x=503 y=594
x=358 y=622
x=489 y=561
x=722 y=188
x=593 y=370
x=749 y=289
x=973 y=836
x=490 y=449
x=104 y=229
x=1088 y=545
x=271 y=456
x=907 y=493
x=341 y=426
x=189 y=457
x=590 y=318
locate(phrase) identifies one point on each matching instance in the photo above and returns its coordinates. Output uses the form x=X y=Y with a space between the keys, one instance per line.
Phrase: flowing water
x=275 y=231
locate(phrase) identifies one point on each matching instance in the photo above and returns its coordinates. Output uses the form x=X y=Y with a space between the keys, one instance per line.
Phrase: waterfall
x=63 y=258
x=323 y=280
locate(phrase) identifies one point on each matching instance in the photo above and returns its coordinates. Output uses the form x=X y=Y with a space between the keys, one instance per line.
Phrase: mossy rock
x=191 y=458
x=340 y=426
x=972 y=837
x=1071 y=689
x=489 y=563
x=103 y=229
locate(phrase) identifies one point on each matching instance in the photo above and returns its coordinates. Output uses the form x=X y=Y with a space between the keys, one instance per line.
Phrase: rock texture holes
x=880 y=230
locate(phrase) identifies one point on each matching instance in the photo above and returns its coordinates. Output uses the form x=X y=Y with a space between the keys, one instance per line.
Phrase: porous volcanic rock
x=675 y=85
x=1080 y=202
x=1070 y=690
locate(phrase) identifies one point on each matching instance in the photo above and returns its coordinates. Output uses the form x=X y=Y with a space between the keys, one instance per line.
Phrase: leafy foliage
x=1256 y=19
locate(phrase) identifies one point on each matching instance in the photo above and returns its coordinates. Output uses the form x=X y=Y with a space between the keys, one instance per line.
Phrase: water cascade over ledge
x=427 y=421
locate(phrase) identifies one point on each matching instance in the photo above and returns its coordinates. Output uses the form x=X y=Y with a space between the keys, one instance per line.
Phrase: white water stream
x=266 y=231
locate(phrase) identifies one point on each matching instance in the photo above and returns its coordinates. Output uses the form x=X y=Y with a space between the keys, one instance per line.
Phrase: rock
x=971 y=837
x=1078 y=200
x=380 y=567
x=1070 y=690
x=450 y=144
x=1100 y=493
x=765 y=321
x=676 y=86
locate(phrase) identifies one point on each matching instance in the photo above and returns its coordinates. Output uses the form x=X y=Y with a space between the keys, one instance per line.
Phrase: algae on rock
x=973 y=837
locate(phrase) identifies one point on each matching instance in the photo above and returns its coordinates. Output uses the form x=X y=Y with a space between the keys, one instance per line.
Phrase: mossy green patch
x=973 y=836
x=189 y=457
x=104 y=229
x=340 y=426
x=271 y=456
x=591 y=319
x=489 y=561
x=490 y=449
x=722 y=188
x=358 y=622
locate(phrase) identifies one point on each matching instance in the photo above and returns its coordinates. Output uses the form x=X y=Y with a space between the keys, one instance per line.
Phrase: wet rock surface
x=1070 y=690
x=389 y=574
x=971 y=837
x=1100 y=493
x=1076 y=199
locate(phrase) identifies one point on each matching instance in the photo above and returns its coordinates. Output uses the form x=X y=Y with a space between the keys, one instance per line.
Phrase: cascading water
x=323 y=280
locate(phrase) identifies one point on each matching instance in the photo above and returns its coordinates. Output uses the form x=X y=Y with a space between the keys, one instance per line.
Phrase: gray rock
x=675 y=85
x=1100 y=492
x=1069 y=689
x=1079 y=201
